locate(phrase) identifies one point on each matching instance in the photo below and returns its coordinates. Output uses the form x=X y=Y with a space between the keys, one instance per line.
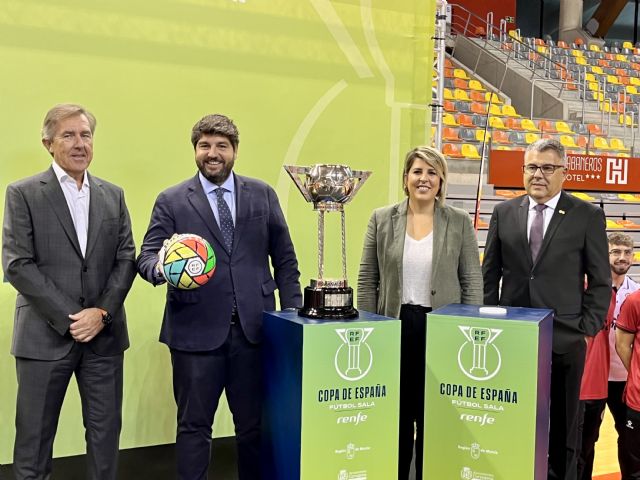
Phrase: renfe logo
x=617 y=169
x=354 y=419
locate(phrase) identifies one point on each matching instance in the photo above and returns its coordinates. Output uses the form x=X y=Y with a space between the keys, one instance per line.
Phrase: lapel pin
x=561 y=212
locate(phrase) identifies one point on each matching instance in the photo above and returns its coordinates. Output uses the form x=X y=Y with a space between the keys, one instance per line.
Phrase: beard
x=620 y=268
x=218 y=178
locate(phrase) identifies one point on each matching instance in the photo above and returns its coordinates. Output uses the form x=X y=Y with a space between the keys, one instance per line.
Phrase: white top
x=78 y=203
x=617 y=372
x=547 y=212
x=416 y=270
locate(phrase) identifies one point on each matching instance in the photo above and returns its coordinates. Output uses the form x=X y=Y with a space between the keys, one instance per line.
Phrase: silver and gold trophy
x=329 y=188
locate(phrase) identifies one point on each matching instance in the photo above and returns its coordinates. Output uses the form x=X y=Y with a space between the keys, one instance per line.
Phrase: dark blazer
x=198 y=320
x=41 y=258
x=455 y=274
x=574 y=248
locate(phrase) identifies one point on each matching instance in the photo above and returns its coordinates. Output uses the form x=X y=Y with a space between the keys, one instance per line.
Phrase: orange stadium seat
x=448 y=63
x=513 y=123
x=451 y=150
x=477 y=107
x=465 y=120
x=477 y=96
x=460 y=83
x=450 y=134
x=594 y=129
x=449 y=106
x=546 y=126
x=500 y=137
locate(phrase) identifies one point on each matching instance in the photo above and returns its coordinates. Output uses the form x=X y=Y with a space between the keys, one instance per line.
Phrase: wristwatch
x=106 y=318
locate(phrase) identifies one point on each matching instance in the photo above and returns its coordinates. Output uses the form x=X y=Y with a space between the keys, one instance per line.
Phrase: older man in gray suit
x=68 y=250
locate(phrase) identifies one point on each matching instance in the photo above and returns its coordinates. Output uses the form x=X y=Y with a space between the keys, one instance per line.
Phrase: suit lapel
x=198 y=200
x=53 y=191
x=243 y=202
x=96 y=213
x=399 y=228
x=563 y=206
x=440 y=224
x=523 y=217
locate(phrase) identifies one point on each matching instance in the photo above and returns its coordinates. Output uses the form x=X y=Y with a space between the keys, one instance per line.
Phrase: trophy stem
x=344 y=246
x=320 y=244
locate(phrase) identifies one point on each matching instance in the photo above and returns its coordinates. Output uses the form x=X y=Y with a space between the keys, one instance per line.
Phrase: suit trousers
x=413 y=337
x=566 y=377
x=198 y=381
x=41 y=389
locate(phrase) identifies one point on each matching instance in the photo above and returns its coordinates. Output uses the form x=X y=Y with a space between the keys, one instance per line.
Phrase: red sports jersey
x=629 y=320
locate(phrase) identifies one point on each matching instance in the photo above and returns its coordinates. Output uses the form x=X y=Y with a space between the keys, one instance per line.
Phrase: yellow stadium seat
x=470 y=151
x=503 y=147
x=531 y=137
x=631 y=89
x=621 y=58
x=596 y=69
x=568 y=141
x=593 y=86
x=613 y=79
x=594 y=48
x=527 y=124
x=627 y=197
x=509 y=111
x=481 y=137
x=562 y=127
x=448 y=94
x=460 y=94
x=617 y=144
x=581 y=61
x=476 y=85
x=600 y=143
x=449 y=119
x=583 y=196
x=514 y=34
x=625 y=120
x=576 y=53
x=628 y=45
x=489 y=96
x=634 y=81
x=590 y=77
x=495 y=110
x=460 y=73
x=496 y=122
x=611 y=224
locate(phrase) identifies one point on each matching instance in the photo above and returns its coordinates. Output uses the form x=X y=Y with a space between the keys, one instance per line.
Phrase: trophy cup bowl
x=329 y=188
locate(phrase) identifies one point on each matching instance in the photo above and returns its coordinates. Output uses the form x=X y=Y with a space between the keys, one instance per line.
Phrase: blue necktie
x=225 y=219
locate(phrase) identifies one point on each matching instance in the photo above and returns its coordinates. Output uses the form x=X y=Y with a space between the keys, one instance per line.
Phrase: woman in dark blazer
x=418 y=255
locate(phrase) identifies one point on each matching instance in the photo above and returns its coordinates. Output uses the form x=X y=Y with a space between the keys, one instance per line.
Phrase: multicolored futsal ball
x=189 y=261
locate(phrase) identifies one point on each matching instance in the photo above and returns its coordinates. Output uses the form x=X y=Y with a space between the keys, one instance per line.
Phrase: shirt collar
x=63 y=176
x=208 y=186
x=552 y=203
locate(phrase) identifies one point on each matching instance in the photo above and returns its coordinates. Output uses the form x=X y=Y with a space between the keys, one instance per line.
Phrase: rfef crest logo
x=354 y=357
x=478 y=357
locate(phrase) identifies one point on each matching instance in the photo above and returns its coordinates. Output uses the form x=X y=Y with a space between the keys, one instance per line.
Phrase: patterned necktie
x=225 y=219
x=537 y=231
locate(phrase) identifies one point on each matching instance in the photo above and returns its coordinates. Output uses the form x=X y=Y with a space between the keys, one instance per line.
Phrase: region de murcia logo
x=478 y=357
x=354 y=357
x=617 y=169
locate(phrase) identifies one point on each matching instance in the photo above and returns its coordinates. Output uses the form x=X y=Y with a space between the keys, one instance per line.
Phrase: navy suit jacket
x=199 y=319
x=574 y=248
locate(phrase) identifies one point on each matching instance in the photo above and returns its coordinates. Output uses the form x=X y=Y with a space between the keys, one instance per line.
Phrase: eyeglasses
x=617 y=252
x=546 y=169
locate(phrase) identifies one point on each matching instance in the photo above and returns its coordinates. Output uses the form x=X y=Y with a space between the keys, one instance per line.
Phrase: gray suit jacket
x=455 y=276
x=41 y=258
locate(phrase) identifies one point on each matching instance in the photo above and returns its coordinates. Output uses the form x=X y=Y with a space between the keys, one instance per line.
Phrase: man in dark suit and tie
x=214 y=332
x=543 y=246
x=68 y=250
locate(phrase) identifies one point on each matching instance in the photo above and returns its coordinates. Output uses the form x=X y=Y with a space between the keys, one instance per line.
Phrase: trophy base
x=328 y=303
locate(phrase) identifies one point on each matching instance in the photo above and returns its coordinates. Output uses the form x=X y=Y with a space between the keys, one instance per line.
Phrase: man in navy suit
x=214 y=332
x=543 y=246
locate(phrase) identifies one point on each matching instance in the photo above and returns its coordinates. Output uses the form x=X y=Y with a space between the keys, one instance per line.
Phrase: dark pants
x=412 y=372
x=41 y=389
x=566 y=376
x=631 y=443
x=593 y=414
x=198 y=381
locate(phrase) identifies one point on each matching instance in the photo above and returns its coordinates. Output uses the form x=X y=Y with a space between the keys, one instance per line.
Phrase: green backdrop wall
x=306 y=81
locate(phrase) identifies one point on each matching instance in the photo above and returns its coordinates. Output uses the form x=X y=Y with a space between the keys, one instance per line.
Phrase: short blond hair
x=435 y=160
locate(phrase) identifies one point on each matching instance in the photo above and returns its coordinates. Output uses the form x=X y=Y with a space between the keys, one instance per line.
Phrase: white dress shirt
x=547 y=212
x=77 y=201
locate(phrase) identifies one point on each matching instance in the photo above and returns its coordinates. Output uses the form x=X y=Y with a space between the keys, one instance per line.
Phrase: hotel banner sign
x=584 y=172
